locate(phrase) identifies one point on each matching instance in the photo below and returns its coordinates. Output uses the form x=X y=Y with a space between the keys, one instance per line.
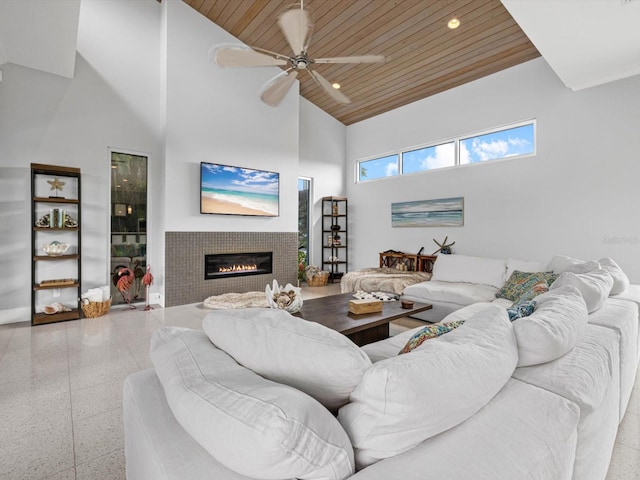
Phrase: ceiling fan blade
x=242 y=57
x=295 y=25
x=326 y=86
x=275 y=90
x=354 y=59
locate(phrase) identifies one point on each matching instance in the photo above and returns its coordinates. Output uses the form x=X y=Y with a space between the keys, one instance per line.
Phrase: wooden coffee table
x=333 y=312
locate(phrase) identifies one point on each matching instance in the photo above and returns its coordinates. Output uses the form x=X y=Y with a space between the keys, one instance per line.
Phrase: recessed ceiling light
x=453 y=23
x=336 y=85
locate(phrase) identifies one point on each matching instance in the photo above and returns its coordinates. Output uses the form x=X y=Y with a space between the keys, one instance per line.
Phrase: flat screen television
x=229 y=190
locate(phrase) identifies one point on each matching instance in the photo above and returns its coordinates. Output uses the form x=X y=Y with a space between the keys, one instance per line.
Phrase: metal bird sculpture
x=124 y=278
x=147 y=280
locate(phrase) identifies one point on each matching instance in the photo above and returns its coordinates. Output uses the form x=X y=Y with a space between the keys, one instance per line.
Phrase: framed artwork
x=440 y=212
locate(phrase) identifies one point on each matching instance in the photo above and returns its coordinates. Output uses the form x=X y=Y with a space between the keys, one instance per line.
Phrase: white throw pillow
x=524 y=266
x=561 y=264
x=620 y=279
x=467 y=269
x=286 y=349
x=553 y=328
x=594 y=286
x=251 y=425
x=404 y=400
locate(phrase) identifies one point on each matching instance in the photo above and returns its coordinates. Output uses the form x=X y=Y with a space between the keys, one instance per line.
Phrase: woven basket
x=95 y=309
x=318 y=280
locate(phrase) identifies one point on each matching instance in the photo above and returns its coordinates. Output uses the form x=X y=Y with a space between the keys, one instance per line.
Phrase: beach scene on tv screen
x=233 y=190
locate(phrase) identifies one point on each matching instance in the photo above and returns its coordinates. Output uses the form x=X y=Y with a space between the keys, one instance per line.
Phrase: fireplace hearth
x=225 y=265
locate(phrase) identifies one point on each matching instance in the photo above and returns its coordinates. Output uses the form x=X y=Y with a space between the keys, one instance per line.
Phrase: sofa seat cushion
x=406 y=399
x=594 y=286
x=389 y=347
x=491 y=445
x=584 y=375
x=469 y=269
x=554 y=327
x=621 y=316
x=461 y=294
x=286 y=349
x=249 y=424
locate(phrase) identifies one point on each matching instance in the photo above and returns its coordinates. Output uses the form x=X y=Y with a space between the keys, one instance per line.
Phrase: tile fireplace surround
x=184 y=263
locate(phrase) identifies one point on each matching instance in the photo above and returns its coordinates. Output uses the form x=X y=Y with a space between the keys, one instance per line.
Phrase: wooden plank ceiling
x=424 y=57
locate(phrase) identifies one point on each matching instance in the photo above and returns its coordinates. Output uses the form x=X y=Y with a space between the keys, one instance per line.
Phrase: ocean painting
x=441 y=212
x=229 y=190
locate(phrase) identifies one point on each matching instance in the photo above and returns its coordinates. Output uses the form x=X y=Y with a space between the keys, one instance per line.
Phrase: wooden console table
x=413 y=262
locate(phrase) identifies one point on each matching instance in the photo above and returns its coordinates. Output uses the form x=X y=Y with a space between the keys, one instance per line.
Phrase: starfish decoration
x=444 y=247
x=56 y=184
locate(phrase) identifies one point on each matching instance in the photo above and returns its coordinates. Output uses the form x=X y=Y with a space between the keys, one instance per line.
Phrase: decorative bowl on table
x=55 y=248
x=287 y=298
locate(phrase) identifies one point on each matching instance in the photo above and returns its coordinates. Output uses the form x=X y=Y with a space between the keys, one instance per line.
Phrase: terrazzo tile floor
x=61 y=393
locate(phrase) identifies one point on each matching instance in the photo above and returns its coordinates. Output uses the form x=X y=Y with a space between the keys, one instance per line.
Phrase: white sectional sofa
x=262 y=394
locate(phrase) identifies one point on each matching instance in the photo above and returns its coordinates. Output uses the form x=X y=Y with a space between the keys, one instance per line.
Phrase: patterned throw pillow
x=526 y=283
x=431 y=331
x=521 y=309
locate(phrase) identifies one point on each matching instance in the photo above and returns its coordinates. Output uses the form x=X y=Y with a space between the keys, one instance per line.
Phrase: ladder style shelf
x=335 y=252
x=56 y=279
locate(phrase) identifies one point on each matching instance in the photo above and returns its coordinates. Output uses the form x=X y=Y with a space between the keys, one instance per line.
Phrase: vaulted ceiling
x=424 y=56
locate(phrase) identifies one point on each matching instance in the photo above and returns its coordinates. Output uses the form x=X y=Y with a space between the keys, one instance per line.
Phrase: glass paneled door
x=304 y=221
x=128 y=227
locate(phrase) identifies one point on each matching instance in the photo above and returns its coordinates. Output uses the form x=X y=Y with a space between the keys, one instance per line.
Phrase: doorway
x=128 y=227
x=304 y=222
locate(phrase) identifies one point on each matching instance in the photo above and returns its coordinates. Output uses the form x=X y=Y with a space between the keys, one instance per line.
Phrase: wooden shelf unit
x=71 y=176
x=334 y=237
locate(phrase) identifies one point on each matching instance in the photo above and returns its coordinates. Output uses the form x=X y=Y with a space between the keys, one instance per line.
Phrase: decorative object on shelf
x=333 y=258
x=55 y=308
x=335 y=228
x=66 y=221
x=288 y=298
x=445 y=248
x=334 y=210
x=55 y=248
x=56 y=184
x=147 y=279
x=441 y=212
x=123 y=279
x=336 y=240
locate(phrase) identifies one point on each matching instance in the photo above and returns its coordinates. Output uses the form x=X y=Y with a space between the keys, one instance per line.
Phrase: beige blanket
x=237 y=300
x=381 y=280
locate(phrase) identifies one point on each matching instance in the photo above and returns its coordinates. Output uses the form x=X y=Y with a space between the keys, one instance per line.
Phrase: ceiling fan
x=296 y=26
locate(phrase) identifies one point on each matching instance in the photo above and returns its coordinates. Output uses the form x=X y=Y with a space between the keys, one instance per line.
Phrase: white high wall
x=143 y=84
x=215 y=115
x=322 y=158
x=112 y=101
x=578 y=196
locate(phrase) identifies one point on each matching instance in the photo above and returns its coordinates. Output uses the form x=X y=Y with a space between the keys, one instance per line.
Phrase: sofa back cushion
x=251 y=425
x=562 y=263
x=524 y=266
x=554 y=327
x=406 y=399
x=594 y=286
x=286 y=349
x=620 y=279
x=468 y=269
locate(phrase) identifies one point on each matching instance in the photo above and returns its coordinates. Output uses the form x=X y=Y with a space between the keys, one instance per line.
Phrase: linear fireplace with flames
x=225 y=265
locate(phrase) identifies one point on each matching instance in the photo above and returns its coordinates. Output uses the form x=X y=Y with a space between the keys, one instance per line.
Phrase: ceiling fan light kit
x=296 y=27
